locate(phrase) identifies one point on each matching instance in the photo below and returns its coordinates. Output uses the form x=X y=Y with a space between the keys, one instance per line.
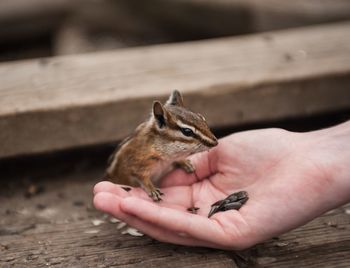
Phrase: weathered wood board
x=57 y=227
x=24 y=18
x=230 y=17
x=57 y=103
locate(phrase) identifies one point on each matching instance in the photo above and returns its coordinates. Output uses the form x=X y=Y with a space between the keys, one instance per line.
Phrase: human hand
x=285 y=176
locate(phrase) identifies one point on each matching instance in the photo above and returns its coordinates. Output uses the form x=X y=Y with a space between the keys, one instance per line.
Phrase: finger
x=163 y=234
x=110 y=203
x=179 y=197
x=117 y=189
x=204 y=164
x=107 y=186
x=178 y=177
x=176 y=197
x=198 y=227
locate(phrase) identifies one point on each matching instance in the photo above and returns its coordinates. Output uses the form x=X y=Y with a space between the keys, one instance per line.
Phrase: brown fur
x=152 y=149
x=134 y=159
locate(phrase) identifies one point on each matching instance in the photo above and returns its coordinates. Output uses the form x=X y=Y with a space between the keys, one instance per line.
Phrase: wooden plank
x=56 y=228
x=181 y=18
x=62 y=102
x=228 y=17
x=275 y=14
x=323 y=242
x=20 y=19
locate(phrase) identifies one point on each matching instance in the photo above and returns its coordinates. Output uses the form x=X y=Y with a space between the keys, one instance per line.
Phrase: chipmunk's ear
x=175 y=99
x=159 y=113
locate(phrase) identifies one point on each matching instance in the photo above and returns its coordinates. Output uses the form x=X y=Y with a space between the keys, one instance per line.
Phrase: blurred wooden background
x=78 y=76
x=36 y=28
x=296 y=72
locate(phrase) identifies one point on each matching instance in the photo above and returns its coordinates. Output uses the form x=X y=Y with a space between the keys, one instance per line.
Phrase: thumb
x=204 y=164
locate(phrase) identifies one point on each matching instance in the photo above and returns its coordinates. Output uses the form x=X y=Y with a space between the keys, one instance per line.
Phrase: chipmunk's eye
x=186 y=131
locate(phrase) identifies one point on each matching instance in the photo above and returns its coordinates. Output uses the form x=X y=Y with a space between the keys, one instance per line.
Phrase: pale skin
x=291 y=178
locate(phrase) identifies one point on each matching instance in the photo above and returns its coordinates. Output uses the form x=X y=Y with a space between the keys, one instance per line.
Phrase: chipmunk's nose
x=210 y=140
x=214 y=141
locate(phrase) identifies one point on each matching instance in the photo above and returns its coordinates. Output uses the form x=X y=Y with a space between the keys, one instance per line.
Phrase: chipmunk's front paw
x=156 y=195
x=186 y=165
x=158 y=190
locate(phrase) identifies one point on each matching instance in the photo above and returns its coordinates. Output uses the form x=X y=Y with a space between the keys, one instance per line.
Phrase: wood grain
x=54 y=228
x=57 y=103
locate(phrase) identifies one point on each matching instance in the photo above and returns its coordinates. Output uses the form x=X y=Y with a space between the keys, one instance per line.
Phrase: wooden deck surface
x=47 y=220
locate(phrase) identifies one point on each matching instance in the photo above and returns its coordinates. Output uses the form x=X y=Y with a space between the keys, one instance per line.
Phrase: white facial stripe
x=197 y=131
x=201 y=116
x=180 y=124
x=204 y=137
x=174 y=133
x=178 y=134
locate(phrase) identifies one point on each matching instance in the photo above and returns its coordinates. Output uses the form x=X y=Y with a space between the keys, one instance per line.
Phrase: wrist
x=329 y=151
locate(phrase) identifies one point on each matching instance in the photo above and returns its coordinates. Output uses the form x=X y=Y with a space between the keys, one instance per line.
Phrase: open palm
x=275 y=168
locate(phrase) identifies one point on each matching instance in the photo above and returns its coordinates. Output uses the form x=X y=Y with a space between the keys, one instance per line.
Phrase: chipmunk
x=159 y=145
